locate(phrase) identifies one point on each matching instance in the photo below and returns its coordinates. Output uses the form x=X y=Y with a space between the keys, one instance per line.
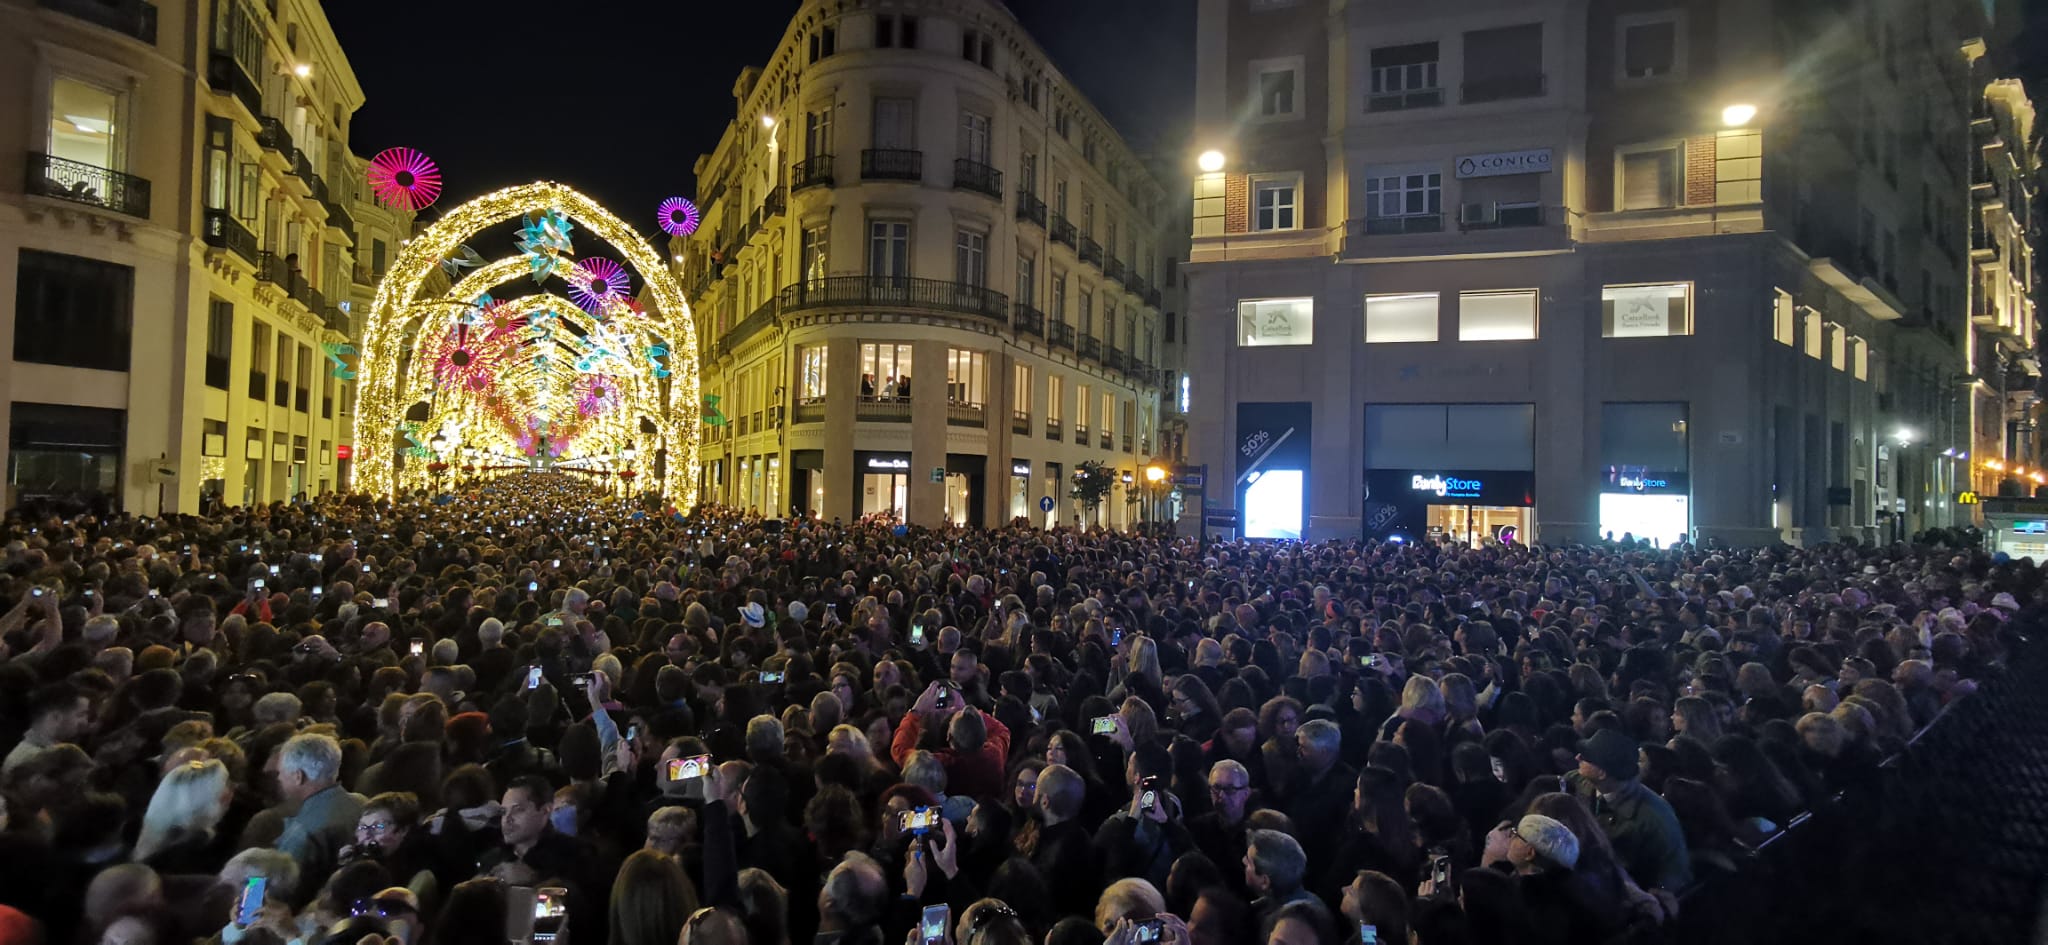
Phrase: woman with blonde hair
x=178 y=829
x=875 y=774
x=1141 y=654
x=1421 y=700
x=651 y=898
x=1127 y=898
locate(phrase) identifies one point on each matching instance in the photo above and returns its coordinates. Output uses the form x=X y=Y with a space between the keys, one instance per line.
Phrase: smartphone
x=1116 y=636
x=550 y=912
x=919 y=820
x=154 y=594
x=366 y=569
x=318 y=590
x=381 y=603
x=931 y=930
x=1148 y=931
x=533 y=678
x=554 y=621
x=35 y=592
x=1370 y=661
x=89 y=592
x=318 y=558
x=771 y=679
x=251 y=902
x=1368 y=934
x=532 y=587
x=558 y=562
x=419 y=647
x=688 y=767
x=1500 y=771
x=633 y=732
x=1440 y=871
x=259 y=584
x=273 y=570
x=917 y=633
x=1103 y=725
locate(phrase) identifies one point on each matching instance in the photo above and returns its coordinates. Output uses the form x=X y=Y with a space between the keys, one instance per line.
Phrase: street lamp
x=1738 y=114
x=1210 y=161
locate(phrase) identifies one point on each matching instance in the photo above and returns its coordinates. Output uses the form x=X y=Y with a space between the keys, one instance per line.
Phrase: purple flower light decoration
x=596 y=282
x=679 y=217
x=404 y=178
x=596 y=393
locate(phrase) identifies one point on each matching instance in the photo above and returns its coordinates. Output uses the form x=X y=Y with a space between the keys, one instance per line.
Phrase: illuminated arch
x=399 y=313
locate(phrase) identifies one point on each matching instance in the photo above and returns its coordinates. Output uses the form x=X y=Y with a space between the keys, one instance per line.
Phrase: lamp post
x=438 y=443
x=1155 y=479
x=626 y=477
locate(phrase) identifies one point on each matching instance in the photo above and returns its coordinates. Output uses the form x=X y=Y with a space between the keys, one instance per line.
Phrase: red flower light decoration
x=404 y=178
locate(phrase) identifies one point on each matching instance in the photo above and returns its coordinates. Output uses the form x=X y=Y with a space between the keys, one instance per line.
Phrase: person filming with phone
x=977 y=745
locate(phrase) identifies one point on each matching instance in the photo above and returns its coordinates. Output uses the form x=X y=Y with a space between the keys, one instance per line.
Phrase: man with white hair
x=308 y=771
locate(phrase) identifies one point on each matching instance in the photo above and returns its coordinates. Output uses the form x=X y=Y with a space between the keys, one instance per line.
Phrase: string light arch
x=394 y=378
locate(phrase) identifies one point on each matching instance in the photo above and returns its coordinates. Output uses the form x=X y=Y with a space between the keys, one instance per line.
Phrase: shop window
x=1272 y=322
x=1646 y=311
x=73 y=311
x=884 y=370
x=1394 y=319
x=1497 y=316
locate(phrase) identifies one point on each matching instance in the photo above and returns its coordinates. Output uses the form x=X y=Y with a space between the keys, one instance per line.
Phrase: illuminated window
x=1272 y=322
x=1646 y=311
x=1497 y=316
x=1393 y=319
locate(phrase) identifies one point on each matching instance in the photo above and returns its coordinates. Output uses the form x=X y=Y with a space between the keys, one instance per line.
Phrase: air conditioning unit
x=1472 y=213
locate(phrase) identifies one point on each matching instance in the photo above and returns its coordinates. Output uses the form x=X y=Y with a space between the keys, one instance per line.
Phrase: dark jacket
x=1563 y=909
x=1066 y=859
x=1644 y=831
x=1224 y=845
x=1142 y=847
x=1318 y=808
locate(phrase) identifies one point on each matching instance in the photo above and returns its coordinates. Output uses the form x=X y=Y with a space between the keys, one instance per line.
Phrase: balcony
x=131 y=18
x=1026 y=320
x=1060 y=335
x=270 y=267
x=882 y=409
x=272 y=136
x=1052 y=429
x=1130 y=444
x=1116 y=360
x=1063 y=231
x=300 y=171
x=1503 y=88
x=1402 y=101
x=1020 y=422
x=1113 y=268
x=891 y=164
x=1396 y=226
x=812 y=411
x=362 y=274
x=335 y=319
x=1499 y=216
x=1090 y=347
x=225 y=74
x=217 y=371
x=85 y=184
x=338 y=217
x=761 y=318
x=774 y=204
x=1029 y=208
x=1081 y=434
x=259 y=385
x=966 y=415
x=1107 y=442
x=282 y=390
x=977 y=177
x=1152 y=297
x=301 y=400
x=815 y=172
x=1091 y=251
x=223 y=231
x=898 y=293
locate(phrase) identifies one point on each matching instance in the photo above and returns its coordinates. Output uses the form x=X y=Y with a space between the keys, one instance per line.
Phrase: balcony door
x=84 y=123
x=895 y=124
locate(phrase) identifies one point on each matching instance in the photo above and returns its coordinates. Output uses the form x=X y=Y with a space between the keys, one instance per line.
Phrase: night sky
x=618 y=99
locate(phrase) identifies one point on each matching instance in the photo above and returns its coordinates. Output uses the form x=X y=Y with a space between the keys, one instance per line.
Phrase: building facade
x=930 y=279
x=179 y=230
x=1555 y=269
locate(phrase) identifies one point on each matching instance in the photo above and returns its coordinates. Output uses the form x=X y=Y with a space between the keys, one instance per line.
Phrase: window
x=1060 y=123
x=818 y=132
x=1651 y=46
x=1649 y=177
x=811 y=255
x=220 y=341
x=1394 y=319
x=1404 y=77
x=1059 y=296
x=894 y=31
x=1054 y=403
x=810 y=378
x=1859 y=358
x=1399 y=195
x=1081 y=407
x=824 y=42
x=1087 y=312
x=1108 y=413
x=304 y=375
x=213 y=437
x=73 y=311
x=1646 y=311
x=1059 y=197
x=84 y=123
x=1276 y=83
x=1264 y=322
x=1813 y=333
x=888 y=248
x=1497 y=316
x=1020 y=388
x=895 y=124
x=1027 y=173
x=974 y=137
x=281 y=381
x=1274 y=204
x=978 y=47
x=970 y=258
x=1504 y=63
x=1838 y=347
x=966 y=377
x=1027 y=280
x=884 y=370
x=1784 y=319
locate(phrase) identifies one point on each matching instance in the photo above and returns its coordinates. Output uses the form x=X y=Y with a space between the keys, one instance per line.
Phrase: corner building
x=930 y=279
x=183 y=246
x=1569 y=268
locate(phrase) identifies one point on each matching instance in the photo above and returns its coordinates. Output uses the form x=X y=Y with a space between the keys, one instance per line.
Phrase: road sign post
x=1197 y=478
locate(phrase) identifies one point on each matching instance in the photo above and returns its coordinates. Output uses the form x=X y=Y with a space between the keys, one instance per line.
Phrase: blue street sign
x=1045 y=503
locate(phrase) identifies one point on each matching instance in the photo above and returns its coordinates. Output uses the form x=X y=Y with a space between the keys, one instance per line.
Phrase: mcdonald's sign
x=1966 y=498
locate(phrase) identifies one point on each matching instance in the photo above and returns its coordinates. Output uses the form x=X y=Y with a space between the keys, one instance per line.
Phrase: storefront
x=882 y=480
x=807 y=481
x=2018 y=527
x=965 y=478
x=1272 y=469
x=1020 y=489
x=1467 y=506
x=1640 y=502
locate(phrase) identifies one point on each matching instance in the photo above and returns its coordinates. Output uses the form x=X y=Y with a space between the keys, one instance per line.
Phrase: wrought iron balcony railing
x=891 y=164
x=815 y=171
x=897 y=292
x=977 y=177
x=50 y=176
x=131 y=18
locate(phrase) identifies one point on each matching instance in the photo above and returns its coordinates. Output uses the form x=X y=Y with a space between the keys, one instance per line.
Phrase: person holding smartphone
x=977 y=745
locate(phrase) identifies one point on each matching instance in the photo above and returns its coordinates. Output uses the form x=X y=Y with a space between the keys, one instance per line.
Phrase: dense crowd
x=533 y=712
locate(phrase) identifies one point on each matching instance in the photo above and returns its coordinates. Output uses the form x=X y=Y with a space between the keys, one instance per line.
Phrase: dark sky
x=619 y=98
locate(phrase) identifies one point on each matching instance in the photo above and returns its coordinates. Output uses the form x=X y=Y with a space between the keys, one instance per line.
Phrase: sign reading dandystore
x=1644 y=479
x=1502 y=163
x=1447 y=487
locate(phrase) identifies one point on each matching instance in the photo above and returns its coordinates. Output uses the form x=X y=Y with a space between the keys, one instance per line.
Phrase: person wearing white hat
x=754 y=615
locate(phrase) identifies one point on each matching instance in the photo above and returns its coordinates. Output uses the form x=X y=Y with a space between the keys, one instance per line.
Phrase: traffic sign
x=1045 y=503
x=1219 y=518
x=1190 y=480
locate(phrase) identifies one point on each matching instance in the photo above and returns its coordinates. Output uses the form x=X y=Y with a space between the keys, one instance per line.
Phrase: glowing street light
x=1211 y=161
x=1737 y=115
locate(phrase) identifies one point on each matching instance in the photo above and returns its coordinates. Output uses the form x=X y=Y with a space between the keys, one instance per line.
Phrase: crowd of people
x=537 y=712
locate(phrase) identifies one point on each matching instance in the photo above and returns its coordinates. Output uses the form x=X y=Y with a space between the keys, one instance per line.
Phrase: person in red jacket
x=976 y=744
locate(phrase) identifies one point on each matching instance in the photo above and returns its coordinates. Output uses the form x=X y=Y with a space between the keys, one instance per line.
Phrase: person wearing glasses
x=1220 y=833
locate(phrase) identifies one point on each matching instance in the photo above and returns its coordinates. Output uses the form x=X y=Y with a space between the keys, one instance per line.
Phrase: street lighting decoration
x=404 y=178
x=679 y=217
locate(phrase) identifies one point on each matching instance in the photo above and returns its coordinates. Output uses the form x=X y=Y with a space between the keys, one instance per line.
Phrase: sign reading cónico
x=1534 y=161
